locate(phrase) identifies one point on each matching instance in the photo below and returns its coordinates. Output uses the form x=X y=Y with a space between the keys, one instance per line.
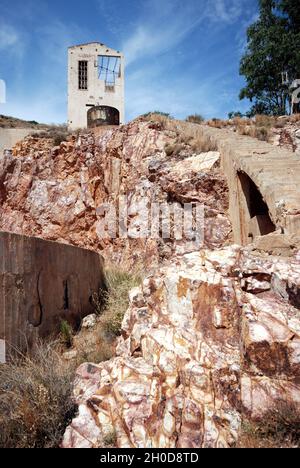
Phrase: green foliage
x=110 y=439
x=119 y=284
x=66 y=333
x=273 y=48
x=162 y=114
x=233 y=114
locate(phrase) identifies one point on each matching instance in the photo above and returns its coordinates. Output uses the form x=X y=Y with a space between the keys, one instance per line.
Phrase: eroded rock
x=197 y=354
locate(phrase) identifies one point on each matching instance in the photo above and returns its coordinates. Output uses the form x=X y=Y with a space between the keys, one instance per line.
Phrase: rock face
x=41 y=284
x=213 y=334
x=208 y=339
x=55 y=193
x=288 y=137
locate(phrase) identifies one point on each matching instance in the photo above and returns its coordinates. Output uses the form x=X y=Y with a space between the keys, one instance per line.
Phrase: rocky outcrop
x=213 y=334
x=54 y=193
x=41 y=284
x=288 y=136
x=207 y=340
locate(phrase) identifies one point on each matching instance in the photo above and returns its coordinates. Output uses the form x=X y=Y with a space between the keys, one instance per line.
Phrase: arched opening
x=256 y=217
x=103 y=115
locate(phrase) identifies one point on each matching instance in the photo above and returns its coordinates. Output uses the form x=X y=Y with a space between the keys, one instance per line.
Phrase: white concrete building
x=95 y=86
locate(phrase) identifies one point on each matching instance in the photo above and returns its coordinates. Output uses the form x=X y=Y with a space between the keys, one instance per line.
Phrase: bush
x=117 y=301
x=196 y=118
x=174 y=150
x=262 y=133
x=110 y=439
x=264 y=121
x=58 y=134
x=162 y=114
x=66 y=333
x=203 y=144
x=217 y=123
x=233 y=115
x=35 y=399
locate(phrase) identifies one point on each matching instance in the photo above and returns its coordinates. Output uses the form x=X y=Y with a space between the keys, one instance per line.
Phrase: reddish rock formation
x=212 y=336
x=55 y=193
x=207 y=340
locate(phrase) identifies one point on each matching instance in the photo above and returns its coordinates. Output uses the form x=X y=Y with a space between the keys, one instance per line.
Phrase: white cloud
x=227 y=10
x=8 y=36
x=155 y=33
x=163 y=25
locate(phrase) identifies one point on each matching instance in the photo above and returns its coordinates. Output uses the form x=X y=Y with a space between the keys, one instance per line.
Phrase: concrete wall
x=41 y=284
x=274 y=171
x=10 y=136
x=96 y=94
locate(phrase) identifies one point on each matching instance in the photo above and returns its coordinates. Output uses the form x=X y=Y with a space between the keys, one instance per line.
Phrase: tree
x=273 y=47
x=234 y=114
x=291 y=8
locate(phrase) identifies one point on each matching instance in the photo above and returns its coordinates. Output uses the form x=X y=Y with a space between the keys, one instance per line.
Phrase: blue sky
x=182 y=56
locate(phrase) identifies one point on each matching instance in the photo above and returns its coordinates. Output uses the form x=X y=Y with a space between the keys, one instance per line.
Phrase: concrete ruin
x=263 y=185
x=95 y=86
x=10 y=136
x=41 y=284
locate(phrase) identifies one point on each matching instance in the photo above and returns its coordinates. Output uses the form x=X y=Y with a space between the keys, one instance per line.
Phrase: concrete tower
x=95 y=86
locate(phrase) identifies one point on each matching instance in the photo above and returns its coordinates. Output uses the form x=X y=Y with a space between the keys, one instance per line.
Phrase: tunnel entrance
x=256 y=217
x=103 y=115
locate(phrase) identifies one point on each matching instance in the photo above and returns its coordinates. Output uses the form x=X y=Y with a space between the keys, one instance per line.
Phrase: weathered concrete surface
x=10 y=136
x=41 y=284
x=276 y=174
x=98 y=91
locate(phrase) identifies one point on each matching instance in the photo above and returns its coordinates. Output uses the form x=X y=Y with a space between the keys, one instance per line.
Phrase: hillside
x=210 y=342
x=13 y=122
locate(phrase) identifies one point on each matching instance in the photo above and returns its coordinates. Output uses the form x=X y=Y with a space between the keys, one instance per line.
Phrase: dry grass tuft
x=280 y=428
x=203 y=144
x=266 y=121
x=174 y=150
x=35 y=399
x=295 y=118
x=218 y=123
x=98 y=344
x=195 y=118
x=57 y=134
x=36 y=390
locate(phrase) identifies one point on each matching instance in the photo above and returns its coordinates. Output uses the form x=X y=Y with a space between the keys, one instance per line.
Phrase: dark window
x=83 y=74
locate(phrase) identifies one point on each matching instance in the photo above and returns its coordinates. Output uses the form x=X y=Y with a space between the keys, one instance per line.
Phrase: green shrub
x=162 y=114
x=233 y=115
x=66 y=332
x=119 y=284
